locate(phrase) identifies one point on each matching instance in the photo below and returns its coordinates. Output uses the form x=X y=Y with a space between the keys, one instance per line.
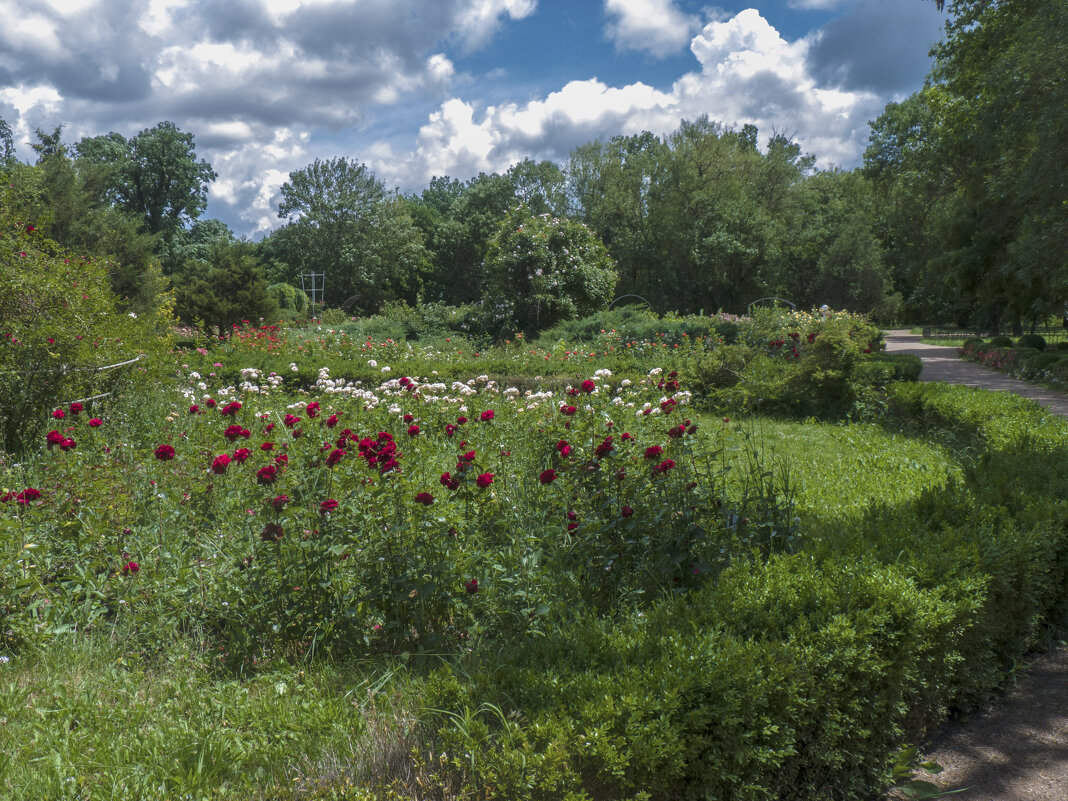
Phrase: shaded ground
x=1018 y=749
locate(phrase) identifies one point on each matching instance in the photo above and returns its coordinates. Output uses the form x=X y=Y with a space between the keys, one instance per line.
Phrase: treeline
x=956 y=215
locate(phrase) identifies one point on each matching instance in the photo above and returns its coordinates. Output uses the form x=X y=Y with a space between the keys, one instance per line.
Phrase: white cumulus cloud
x=655 y=27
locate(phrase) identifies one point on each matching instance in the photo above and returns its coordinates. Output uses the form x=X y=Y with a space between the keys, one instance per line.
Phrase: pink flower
x=328 y=506
x=486 y=416
x=547 y=476
x=164 y=453
x=484 y=480
x=95 y=422
x=424 y=498
x=220 y=463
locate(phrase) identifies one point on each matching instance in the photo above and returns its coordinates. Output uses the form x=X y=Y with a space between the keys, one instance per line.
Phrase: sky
x=424 y=88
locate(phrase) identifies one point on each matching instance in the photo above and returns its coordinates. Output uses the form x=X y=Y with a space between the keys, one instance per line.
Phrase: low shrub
x=1001 y=341
x=1036 y=341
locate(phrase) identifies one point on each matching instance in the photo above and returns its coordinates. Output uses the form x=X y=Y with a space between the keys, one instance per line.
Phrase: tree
x=542 y=269
x=155 y=175
x=7 y=145
x=344 y=224
x=225 y=290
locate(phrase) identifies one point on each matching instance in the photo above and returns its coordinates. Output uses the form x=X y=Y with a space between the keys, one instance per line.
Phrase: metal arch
x=789 y=303
x=639 y=297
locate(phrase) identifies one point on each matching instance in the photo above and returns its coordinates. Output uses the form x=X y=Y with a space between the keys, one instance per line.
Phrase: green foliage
x=292 y=302
x=1036 y=341
x=225 y=291
x=1001 y=341
x=543 y=269
x=60 y=322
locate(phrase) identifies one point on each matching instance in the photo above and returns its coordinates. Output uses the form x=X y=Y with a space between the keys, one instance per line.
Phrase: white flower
x=293 y=366
x=386 y=369
x=656 y=371
x=625 y=382
x=372 y=363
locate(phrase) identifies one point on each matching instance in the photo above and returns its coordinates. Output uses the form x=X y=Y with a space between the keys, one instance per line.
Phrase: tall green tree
x=155 y=175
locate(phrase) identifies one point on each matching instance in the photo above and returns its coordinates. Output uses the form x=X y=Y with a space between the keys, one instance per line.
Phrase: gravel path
x=1018 y=749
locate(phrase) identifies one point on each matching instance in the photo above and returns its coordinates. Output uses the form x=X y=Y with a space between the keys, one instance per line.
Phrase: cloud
x=880 y=45
x=655 y=27
x=747 y=74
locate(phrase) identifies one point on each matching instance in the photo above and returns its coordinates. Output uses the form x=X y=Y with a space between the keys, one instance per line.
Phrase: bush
x=292 y=302
x=60 y=322
x=1001 y=342
x=1036 y=341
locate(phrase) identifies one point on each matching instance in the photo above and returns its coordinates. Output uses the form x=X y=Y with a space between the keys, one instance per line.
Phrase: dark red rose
x=164 y=453
x=471 y=586
x=327 y=506
x=424 y=498
x=220 y=463
x=547 y=476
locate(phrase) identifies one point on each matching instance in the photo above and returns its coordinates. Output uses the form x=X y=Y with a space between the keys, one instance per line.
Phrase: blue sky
x=417 y=88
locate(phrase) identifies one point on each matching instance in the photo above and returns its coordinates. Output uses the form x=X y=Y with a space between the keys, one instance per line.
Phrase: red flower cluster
x=312 y=409
x=667 y=405
x=450 y=481
x=76 y=408
x=381 y=453
x=26 y=497
x=164 y=453
x=547 y=476
x=230 y=409
x=235 y=431
x=563 y=448
x=335 y=456
x=588 y=386
x=471 y=586
x=653 y=452
x=220 y=463
x=194 y=409
x=484 y=480
x=450 y=429
x=279 y=502
x=290 y=420
x=568 y=410
x=267 y=475
x=328 y=506
x=604 y=448
x=664 y=466
x=331 y=421
x=59 y=414
x=413 y=430
x=241 y=454
x=486 y=416
x=95 y=422
x=130 y=567
x=424 y=498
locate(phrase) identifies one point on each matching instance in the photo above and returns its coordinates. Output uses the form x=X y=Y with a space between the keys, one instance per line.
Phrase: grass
x=85 y=718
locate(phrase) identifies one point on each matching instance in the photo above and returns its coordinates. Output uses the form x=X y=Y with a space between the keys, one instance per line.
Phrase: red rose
x=130 y=567
x=424 y=498
x=413 y=430
x=54 y=438
x=469 y=456
x=563 y=448
x=484 y=480
x=267 y=446
x=95 y=422
x=604 y=448
x=233 y=432
x=68 y=445
x=450 y=429
x=568 y=410
x=220 y=463
x=328 y=506
x=547 y=476
x=272 y=532
x=28 y=495
x=486 y=416
x=653 y=452
x=76 y=408
x=409 y=418
x=450 y=481
x=164 y=453
x=664 y=466
x=588 y=386
x=461 y=420
x=279 y=502
x=210 y=403
x=267 y=475
x=241 y=454
x=312 y=409
x=471 y=586
x=331 y=421
x=194 y=409
x=335 y=456
x=230 y=409
x=59 y=414
x=290 y=420
x=627 y=511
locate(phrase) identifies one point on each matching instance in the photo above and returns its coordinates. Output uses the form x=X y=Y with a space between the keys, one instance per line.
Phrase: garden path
x=1017 y=750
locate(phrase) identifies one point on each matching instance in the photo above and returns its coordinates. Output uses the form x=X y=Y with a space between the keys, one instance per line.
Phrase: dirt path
x=1018 y=749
